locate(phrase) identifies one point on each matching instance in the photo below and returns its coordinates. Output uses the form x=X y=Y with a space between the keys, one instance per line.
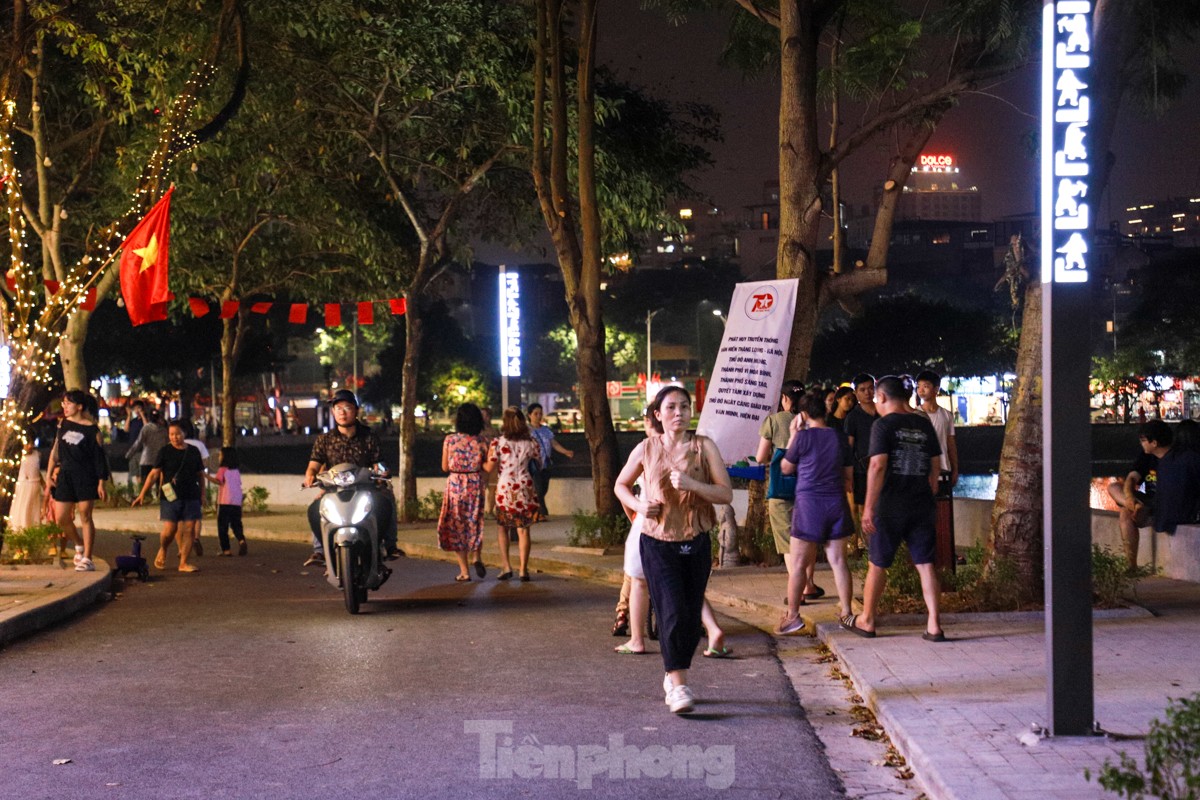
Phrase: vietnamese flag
x=398 y=305
x=298 y=313
x=144 y=265
x=333 y=315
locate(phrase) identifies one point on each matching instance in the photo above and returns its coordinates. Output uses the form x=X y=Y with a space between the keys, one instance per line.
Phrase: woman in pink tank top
x=684 y=476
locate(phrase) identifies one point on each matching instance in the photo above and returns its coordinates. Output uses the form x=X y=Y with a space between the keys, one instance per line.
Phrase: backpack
x=780 y=486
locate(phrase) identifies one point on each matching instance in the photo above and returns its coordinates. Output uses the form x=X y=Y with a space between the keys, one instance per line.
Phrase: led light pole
x=1066 y=243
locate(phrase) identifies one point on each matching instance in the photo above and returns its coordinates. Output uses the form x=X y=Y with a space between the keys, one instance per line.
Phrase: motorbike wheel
x=346 y=572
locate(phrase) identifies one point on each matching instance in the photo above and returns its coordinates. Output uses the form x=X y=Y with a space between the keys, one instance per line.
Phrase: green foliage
x=1172 y=758
x=589 y=529
x=29 y=545
x=254 y=499
x=1112 y=578
x=456 y=382
x=426 y=508
x=121 y=494
x=626 y=350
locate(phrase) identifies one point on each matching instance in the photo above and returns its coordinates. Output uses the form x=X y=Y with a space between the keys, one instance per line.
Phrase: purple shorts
x=821 y=518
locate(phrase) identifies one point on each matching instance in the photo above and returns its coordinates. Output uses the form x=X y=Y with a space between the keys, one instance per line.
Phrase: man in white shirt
x=943 y=424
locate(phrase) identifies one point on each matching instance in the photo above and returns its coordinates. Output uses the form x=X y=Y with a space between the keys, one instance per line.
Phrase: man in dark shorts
x=899 y=506
x=1137 y=507
x=857 y=427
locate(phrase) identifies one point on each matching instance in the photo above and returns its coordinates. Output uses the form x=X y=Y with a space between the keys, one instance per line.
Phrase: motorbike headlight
x=343 y=479
x=360 y=508
x=330 y=510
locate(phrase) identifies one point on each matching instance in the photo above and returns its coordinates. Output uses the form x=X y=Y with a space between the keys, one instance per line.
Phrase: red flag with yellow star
x=144 y=265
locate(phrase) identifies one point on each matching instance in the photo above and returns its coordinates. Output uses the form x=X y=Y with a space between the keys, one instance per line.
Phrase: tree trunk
x=591 y=365
x=71 y=351
x=800 y=175
x=233 y=337
x=1016 y=533
x=406 y=501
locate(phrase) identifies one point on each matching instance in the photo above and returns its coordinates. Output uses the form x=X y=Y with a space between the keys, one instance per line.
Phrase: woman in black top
x=77 y=473
x=179 y=472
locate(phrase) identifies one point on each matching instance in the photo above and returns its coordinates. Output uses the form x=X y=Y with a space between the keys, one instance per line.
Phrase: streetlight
x=699 y=351
x=650 y=315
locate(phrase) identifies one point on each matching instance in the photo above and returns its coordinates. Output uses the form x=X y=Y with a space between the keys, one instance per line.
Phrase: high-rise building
x=1175 y=217
x=937 y=190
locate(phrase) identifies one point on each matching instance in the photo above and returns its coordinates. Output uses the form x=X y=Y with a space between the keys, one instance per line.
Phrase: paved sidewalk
x=961 y=712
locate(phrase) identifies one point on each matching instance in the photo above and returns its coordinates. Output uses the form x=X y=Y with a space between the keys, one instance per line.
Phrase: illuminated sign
x=510 y=324
x=937 y=161
x=1066 y=114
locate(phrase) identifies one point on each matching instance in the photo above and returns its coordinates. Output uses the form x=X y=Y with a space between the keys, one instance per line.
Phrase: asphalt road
x=249 y=679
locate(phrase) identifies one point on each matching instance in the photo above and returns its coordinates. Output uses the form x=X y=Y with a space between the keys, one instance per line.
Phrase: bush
x=426 y=508
x=1172 y=758
x=120 y=495
x=29 y=545
x=589 y=529
x=1112 y=577
x=255 y=499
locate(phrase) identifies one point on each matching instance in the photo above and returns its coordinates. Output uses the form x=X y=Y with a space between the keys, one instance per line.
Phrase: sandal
x=621 y=625
x=626 y=650
x=463 y=578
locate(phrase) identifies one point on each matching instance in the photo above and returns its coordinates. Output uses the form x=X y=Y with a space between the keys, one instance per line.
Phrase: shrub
x=29 y=545
x=428 y=507
x=255 y=499
x=1112 y=577
x=589 y=529
x=1172 y=758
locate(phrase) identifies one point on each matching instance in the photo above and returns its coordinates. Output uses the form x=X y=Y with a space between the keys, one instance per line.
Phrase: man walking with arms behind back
x=899 y=506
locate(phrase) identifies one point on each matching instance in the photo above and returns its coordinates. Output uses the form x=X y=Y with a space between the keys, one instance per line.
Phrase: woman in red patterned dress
x=516 y=500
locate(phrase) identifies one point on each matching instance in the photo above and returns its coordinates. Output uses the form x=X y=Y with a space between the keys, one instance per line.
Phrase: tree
x=426 y=108
x=32 y=322
x=1138 y=39
x=603 y=165
x=273 y=212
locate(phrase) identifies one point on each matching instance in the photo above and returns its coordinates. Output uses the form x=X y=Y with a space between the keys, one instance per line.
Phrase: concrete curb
x=85 y=590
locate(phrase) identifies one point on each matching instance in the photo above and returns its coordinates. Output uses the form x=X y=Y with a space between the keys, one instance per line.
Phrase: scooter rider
x=350 y=442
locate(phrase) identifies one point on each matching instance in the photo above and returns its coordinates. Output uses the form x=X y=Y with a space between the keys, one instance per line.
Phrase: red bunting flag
x=144 y=265
x=53 y=286
x=298 y=313
x=333 y=315
x=229 y=308
x=260 y=308
x=366 y=313
x=89 y=299
x=199 y=306
x=10 y=281
x=399 y=305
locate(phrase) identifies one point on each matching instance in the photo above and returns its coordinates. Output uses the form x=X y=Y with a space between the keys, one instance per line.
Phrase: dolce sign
x=1066 y=112
x=937 y=161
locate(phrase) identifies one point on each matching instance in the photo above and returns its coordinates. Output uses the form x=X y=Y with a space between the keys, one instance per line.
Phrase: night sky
x=1155 y=158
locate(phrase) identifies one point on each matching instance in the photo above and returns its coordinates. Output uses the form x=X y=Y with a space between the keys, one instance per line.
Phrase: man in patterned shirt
x=350 y=442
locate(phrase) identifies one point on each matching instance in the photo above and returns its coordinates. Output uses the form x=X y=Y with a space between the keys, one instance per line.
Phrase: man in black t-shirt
x=899 y=506
x=1137 y=507
x=857 y=427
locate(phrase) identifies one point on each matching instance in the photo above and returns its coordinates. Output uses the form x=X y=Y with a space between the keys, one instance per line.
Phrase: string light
x=32 y=321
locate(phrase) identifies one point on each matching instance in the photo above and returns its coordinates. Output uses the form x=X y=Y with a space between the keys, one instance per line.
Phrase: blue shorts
x=821 y=519
x=916 y=527
x=179 y=510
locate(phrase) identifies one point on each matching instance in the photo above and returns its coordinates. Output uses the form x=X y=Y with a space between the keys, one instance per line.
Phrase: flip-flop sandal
x=462 y=578
x=940 y=636
x=849 y=623
x=814 y=595
x=626 y=650
x=724 y=652
x=160 y=562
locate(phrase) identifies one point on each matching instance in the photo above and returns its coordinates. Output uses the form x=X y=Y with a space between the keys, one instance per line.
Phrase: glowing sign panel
x=510 y=324
x=937 y=161
x=1066 y=114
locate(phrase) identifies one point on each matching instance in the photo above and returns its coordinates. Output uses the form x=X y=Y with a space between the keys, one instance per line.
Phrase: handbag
x=780 y=486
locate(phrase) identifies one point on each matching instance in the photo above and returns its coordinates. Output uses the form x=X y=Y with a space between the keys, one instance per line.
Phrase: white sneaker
x=78 y=557
x=84 y=565
x=680 y=700
x=667 y=687
x=788 y=627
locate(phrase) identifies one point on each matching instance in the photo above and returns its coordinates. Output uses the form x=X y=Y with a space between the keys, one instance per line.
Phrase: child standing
x=229 y=501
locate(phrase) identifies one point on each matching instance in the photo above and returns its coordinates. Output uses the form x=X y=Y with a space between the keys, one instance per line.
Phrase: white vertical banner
x=748 y=374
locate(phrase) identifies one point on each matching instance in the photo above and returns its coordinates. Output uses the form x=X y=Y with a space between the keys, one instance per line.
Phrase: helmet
x=343 y=396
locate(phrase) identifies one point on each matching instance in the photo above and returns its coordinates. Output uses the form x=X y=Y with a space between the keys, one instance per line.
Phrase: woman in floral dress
x=460 y=525
x=516 y=500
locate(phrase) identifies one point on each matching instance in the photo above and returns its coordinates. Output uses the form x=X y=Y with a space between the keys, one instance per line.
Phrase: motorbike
x=350 y=530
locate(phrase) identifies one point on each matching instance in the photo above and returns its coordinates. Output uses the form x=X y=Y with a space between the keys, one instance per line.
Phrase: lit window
x=685 y=213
